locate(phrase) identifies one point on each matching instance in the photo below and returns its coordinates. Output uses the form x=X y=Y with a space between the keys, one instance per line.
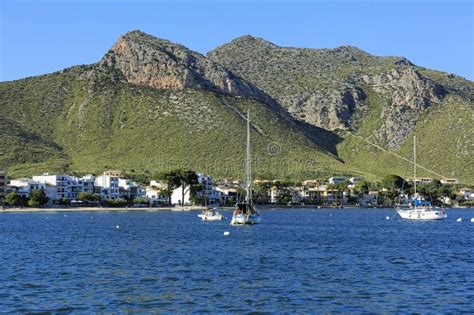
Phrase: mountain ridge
x=89 y=107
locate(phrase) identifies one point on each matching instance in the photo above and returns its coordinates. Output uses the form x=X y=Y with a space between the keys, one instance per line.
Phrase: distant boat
x=211 y=215
x=246 y=212
x=421 y=210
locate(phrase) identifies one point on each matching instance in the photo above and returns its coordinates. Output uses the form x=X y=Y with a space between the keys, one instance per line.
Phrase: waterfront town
x=114 y=189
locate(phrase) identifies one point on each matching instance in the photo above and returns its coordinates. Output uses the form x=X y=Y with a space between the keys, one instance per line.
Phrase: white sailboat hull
x=241 y=219
x=422 y=214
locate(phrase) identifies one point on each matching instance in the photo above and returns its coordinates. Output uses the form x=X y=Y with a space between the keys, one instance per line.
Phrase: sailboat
x=421 y=210
x=246 y=213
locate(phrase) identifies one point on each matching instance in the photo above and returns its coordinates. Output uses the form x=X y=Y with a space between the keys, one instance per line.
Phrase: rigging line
x=399 y=156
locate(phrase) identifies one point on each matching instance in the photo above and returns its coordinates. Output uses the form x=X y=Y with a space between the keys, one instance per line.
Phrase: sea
x=296 y=261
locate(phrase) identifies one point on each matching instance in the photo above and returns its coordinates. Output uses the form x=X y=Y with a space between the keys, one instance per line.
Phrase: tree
x=141 y=201
x=116 y=202
x=37 y=198
x=393 y=185
x=361 y=188
x=64 y=201
x=14 y=199
x=261 y=193
x=188 y=180
x=84 y=196
x=392 y=182
x=284 y=195
x=172 y=181
x=433 y=189
x=197 y=200
x=185 y=178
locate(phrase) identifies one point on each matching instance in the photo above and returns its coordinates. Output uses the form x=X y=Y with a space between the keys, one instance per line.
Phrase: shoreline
x=179 y=209
x=102 y=209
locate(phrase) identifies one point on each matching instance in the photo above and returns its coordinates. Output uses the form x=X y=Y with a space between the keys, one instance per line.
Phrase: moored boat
x=421 y=210
x=211 y=215
x=246 y=212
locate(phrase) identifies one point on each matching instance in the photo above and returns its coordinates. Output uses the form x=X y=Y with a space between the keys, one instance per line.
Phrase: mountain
x=373 y=103
x=150 y=105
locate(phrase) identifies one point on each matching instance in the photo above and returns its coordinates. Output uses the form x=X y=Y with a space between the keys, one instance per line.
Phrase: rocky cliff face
x=407 y=94
x=148 y=61
x=407 y=87
x=328 y=88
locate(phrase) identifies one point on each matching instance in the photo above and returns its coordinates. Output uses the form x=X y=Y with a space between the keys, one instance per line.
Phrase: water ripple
x=349 y=261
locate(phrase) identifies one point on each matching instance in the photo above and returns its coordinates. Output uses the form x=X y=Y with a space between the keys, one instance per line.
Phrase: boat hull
x=422 y=214
x=242 y=219
x=217 y=217
x=211 y=215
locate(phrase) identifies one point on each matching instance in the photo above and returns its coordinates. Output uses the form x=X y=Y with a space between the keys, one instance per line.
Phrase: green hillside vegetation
x=66 y=124
x=445 y=151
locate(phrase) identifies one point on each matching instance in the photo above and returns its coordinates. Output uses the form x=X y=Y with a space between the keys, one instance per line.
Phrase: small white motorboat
x=211 y=215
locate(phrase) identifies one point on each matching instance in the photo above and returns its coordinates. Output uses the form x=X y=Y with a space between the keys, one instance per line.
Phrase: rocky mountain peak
x=146 y=60
x=249 y=40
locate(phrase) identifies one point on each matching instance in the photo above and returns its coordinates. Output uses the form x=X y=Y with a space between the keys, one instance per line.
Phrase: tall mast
x=414 y=165
x=248 y=164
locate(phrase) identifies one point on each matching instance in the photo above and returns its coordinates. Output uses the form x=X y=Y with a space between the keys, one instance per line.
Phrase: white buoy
x=117 y=227
x=226 y=233
x=459 y=220
x=387 y=218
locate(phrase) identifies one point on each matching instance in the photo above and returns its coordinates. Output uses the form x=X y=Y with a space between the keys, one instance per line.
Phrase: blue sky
x=39 y=37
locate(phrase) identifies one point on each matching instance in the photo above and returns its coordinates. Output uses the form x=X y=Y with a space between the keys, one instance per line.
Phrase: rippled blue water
x=347 y=260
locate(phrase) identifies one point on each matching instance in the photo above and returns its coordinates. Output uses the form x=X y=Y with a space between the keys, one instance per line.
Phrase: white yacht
x=246 y=213
x=421 y=210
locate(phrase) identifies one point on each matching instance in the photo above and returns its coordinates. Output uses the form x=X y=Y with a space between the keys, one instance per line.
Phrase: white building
x=88 y=183
x=107 y=185
x=23 y=186
x=211 y=196
x=61 y=186
x=228 y=195
x=422 y=180
x=336 y=180
x=129 y=189
x=156 y=196
x=177 y=196
x=466 y=193
x=449 y=181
